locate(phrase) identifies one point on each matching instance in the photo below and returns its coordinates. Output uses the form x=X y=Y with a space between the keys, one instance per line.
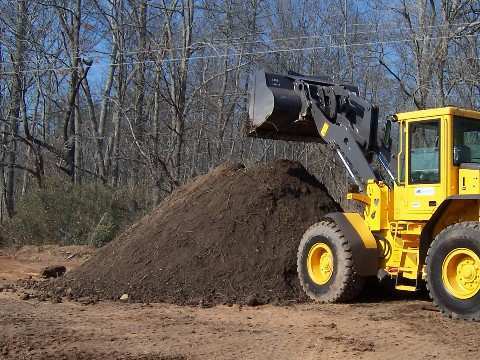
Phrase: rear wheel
x=453 y=270
x=325 y=265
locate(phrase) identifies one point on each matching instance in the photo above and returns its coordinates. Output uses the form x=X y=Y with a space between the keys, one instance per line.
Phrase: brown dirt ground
x=397 y=329
x=28 y=261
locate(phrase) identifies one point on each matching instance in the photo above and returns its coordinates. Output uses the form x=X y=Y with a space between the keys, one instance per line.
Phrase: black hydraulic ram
x=294 y=107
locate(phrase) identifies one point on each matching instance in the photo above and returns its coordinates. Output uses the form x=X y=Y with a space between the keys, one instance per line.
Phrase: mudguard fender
x=362 y=242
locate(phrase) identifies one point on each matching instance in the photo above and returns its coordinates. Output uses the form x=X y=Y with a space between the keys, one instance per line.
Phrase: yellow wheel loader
x=421 y=224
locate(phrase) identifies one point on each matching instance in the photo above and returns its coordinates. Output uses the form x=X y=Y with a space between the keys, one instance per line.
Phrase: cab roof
x=429 y=113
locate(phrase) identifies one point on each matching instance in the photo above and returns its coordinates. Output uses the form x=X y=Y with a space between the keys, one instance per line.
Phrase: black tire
x=461 y=235
x=344 y=284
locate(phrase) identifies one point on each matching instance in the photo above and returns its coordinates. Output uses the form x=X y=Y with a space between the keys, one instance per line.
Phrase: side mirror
x=387 y=139
x=461 y=154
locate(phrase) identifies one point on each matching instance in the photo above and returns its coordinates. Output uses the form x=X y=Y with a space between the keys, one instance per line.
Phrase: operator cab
x=438 y=156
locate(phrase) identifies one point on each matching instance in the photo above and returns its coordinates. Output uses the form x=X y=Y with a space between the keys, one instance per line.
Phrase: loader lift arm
x=312 y=109
x=338 y=132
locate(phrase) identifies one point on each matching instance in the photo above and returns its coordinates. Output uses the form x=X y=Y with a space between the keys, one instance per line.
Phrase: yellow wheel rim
x=320 y=263
x=461 y=273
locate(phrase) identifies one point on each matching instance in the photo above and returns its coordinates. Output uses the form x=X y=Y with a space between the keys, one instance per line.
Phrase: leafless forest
x=138 y=96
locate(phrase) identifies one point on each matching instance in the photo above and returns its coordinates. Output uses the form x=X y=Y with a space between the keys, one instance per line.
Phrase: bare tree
x=146 y=94
x=18 y=60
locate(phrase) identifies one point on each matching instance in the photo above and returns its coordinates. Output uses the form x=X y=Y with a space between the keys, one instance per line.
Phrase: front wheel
x=453 y=270
x=325 y=265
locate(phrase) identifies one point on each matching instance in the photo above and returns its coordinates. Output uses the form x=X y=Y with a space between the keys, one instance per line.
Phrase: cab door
x=425 y=185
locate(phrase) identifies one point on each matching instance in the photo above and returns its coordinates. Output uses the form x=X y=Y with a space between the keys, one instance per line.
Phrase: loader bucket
x=274 y=110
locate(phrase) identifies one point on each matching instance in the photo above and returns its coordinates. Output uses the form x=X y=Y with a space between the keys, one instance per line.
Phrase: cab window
x=466 y=141
x=424 y=152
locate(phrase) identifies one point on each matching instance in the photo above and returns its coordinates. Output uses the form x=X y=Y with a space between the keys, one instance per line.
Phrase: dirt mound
x=228 y=236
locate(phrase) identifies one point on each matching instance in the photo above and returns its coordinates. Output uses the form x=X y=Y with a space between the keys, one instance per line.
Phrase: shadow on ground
x=382 y=291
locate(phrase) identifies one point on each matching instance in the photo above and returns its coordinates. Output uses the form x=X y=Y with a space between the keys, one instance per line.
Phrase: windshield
x=466 y=140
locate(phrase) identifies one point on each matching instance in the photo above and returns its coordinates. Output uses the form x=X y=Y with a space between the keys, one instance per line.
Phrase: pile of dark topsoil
x=227 y=236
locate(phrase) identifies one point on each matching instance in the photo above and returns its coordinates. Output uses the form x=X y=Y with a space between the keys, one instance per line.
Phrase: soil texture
x=230 y=236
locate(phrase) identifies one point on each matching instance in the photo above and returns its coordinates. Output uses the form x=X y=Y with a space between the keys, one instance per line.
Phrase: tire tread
x=352 y=284
x=466 y=225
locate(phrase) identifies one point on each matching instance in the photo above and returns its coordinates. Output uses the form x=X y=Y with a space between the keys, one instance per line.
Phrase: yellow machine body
x=422 y=225
x=430 y=193
x=469 y=181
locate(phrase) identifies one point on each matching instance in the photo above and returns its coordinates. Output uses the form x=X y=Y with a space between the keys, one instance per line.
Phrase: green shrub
x=104 y=232
x=67 y=214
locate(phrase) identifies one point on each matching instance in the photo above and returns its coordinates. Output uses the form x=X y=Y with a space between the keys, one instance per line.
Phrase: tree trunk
x=139 y=96
x=179 y=85
x=77 y=159
x=72 y=31
x=14 y=115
